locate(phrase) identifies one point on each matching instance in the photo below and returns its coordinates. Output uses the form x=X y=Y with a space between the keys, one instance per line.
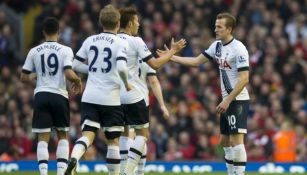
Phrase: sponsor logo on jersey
x=242 y=59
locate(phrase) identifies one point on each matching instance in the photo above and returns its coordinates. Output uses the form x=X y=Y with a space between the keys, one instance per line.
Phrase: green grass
x=220 y=173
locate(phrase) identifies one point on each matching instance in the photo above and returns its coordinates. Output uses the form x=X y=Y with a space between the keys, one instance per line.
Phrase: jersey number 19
x=52 y=63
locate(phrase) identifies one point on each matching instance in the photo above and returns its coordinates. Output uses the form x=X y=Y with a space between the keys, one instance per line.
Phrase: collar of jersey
x=229 y=42
x=108 y=33
x=50 y=41
x=123 y=33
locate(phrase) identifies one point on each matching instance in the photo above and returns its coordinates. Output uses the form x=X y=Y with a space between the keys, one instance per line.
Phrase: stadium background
x=275 y=33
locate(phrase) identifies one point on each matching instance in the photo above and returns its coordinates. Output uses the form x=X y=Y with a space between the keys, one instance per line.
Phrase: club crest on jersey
x=218 y=49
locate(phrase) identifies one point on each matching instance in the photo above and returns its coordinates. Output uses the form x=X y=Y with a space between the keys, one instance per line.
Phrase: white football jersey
x=49 y=60
x=137 y=51
x=144 y=71
x=103 y=82
x=232 y=58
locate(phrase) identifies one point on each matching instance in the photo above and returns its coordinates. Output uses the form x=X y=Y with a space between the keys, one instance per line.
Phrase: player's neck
x=51 y=38
x=125 y=31
x=227 y=39
x=111 y=31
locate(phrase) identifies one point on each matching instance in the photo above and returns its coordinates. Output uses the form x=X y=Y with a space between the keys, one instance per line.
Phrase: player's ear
x=118 y=25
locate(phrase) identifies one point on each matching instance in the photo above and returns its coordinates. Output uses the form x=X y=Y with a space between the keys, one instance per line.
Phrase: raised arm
x=190 y=61
x=161 y=60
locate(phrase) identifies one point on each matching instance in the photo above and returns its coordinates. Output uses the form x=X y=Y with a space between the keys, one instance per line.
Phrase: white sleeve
x=80 y=66
x=150 y=71
x=68 y=58
x=142 y=50
x=81 y=55
x=121 y=58
x=121 y=66
x=212 y=50
x=242 y=59
x=28 y=66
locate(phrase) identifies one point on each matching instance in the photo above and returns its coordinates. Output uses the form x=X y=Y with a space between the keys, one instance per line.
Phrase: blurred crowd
x=274 y=31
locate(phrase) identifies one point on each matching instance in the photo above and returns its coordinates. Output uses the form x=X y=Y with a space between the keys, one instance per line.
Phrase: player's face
x=221 y=31
x=135 y=25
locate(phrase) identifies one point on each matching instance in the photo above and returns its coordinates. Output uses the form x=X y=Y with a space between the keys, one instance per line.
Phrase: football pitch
x=91 y=173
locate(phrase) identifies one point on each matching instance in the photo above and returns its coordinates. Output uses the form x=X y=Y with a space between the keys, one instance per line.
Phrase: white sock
x=80 y=147
x=124 y=145
x=239 y=159
x=142 y=162
x=229 y=160
x=135 y=153
x=42 y=157
x=113 y=160
x=62 y=154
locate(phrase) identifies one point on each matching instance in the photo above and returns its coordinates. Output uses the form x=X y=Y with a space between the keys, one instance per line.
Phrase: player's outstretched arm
x=76 y=81
x=156 y=89
x=161 y=60
x=187 y=61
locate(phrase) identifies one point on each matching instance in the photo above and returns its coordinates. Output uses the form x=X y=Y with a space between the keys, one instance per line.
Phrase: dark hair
x=230 y=20
x=50 y=25
x=109 y=17
x=127 y=15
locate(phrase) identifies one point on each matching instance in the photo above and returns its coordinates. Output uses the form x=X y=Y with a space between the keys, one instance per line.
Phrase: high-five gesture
x=177 y=46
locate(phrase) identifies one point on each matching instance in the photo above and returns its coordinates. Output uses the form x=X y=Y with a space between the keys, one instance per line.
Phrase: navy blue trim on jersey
x=123 y=33
x=25 y=71
x=147 y=58
x=226 y=82
x=109 y=33
x=50 y=41
x=243 y=69
x=228 y=42
x=67 y=67
x=207 y=55
x=121 y=58
x=80 y=59
x=151 y=74
x=218 y=49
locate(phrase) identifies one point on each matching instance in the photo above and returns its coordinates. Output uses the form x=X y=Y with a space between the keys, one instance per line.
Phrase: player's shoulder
x=64 y=47
x=138 y=39
x=215 y=43
x=239 y=44
x=121 y=41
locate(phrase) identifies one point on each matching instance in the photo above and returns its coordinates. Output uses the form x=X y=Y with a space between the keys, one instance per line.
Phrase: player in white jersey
x=100 y=104
x=134 y=106
x=53 y=64
x=147 y=73
x=233 y=60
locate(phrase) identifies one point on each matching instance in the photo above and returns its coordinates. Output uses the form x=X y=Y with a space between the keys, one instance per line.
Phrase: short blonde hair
x=109 y=17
